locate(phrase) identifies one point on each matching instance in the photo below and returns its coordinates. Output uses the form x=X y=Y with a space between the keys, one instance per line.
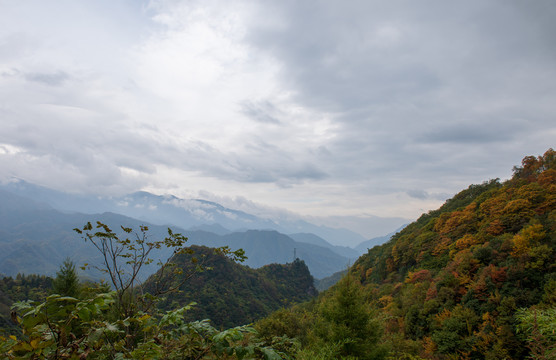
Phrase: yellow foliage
x=517 y=206
x=493 y=207
x=386 y=300
x=540 y=255
x=466 y=241
x=429 y=346
x=441 y=316
x=527 y=238
x=442 y=246
x=533 y=233
x=520 y=245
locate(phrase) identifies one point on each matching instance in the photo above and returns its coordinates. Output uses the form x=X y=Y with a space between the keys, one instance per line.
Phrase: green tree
x=538 y=326
x=125 y=255
x=346 y=320
x=66 y=282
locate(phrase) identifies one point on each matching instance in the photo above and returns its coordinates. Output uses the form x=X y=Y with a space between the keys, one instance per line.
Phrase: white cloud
x=320 y=107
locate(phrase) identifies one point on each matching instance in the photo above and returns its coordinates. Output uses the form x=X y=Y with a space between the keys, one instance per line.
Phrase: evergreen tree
x=66 y=282
x=347 y=321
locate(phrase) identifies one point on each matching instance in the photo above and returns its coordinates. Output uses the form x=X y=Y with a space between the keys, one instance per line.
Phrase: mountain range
x=186 y=213
x=36 y=230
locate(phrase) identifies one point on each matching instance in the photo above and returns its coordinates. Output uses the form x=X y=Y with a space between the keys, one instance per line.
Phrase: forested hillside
x=230 y=294
x=475 y=279
x=454 y=280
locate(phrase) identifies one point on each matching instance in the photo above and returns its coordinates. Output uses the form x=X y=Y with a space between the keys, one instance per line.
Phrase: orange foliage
x=497 y=275
x=441 y=316
x=495 y=228
x=493 y=207
x=442 y=246
x=480 y=289
x=431 y=292
x=429 y=346
x=456 y=220
x=547 y=177
x=532 y=167
x=418 y=276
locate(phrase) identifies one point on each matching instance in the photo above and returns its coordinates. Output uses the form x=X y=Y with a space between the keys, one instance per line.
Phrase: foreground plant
x=123 y=323
x=68 y=328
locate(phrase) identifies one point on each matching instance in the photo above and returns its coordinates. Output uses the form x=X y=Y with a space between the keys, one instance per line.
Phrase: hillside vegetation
x=230 y=294
x=475 y=279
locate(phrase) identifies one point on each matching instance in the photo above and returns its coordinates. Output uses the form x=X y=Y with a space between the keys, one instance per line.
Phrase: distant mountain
x=170 y=210
x=212 y=228
x=327 y=282
x=317 y=240
x=268 y=246
x=364 y=246
x=231 y=294
x=35 y=239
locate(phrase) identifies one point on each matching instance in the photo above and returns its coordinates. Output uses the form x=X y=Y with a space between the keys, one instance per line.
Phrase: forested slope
x=454 y=279
x=231 y=294
x=474 y=279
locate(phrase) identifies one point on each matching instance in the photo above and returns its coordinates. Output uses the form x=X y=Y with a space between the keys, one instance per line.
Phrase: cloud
x=316 y=106
x=264 y=112
x=418 y=194
x=51 y=79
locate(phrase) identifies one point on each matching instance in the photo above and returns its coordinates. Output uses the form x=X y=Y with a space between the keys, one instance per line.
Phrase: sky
x=337 y=111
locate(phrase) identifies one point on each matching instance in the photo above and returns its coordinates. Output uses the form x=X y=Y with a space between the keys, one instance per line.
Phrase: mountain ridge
x=36 y=239
x=171 y=210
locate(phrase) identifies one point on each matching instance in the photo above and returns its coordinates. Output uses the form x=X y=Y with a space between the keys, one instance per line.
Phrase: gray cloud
x=413 y=84
x=362 y=100
x=476 y=131
x=51 y=79
x=264 y=112
x=422 y=195
x=418 y=194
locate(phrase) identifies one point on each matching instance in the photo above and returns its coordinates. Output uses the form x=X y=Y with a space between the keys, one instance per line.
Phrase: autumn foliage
x=452 y=281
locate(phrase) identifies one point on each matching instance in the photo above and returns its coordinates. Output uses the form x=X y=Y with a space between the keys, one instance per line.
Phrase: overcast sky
x=323 y=108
